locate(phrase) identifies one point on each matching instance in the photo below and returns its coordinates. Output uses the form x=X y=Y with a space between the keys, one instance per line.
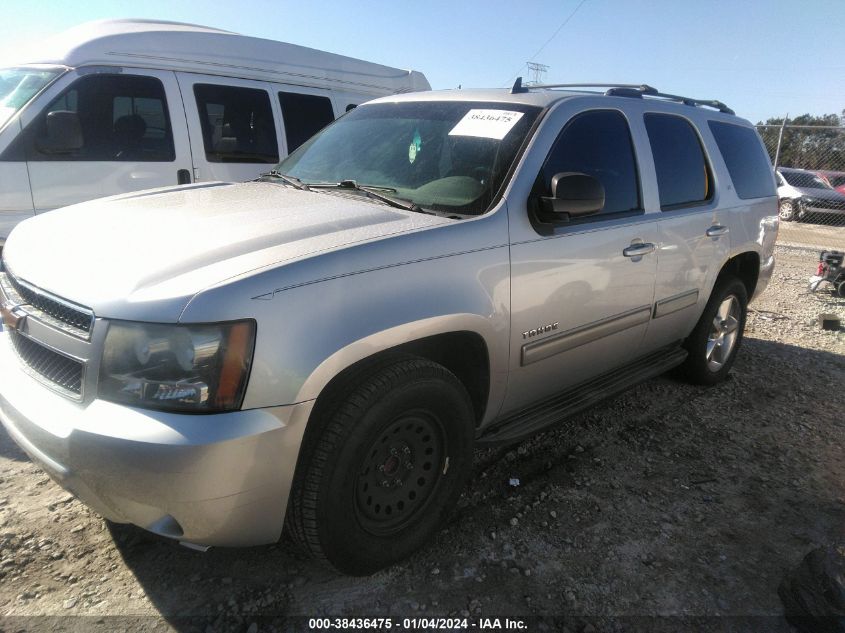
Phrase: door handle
x=717 y=231
x=183 y=177
x=638 y=250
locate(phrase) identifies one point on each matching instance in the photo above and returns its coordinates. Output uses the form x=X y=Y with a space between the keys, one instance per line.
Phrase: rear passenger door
x=693 y=230
x=233 y=125
x=131 y=136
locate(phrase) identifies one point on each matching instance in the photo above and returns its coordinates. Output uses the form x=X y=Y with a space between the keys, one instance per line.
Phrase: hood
x=821 y=194
x=161 y=247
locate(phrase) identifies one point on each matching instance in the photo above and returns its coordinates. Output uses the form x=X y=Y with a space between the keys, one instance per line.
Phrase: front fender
x=308 y=334
x=393 y=337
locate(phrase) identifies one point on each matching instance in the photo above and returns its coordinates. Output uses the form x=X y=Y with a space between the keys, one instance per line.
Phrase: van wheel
x=385 y=469
x=786 y=210
x=714 y=342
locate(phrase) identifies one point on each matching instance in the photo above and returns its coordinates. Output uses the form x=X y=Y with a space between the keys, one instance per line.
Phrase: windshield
x=19 y=85
x=804 y=179
x=447 y=156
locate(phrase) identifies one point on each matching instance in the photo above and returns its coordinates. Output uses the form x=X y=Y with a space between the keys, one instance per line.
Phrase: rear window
x=682 y=173
x=747 y=162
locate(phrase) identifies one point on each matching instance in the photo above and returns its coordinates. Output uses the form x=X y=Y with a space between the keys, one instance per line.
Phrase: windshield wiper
x=373 y=192
x=291 y=180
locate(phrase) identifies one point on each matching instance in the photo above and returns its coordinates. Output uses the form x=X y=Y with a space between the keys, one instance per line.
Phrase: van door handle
x=717 y=230
x=638 y=250
x=183 y=177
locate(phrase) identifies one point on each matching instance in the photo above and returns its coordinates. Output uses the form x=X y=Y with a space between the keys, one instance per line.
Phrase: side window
x=237 y=124
x=746 y=159
x=683 y=176
x=304 y=116
x=109 y=118
x=598 y=144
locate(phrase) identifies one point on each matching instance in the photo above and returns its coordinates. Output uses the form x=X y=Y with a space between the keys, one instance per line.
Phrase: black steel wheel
x=378 y=475
x=400 y=473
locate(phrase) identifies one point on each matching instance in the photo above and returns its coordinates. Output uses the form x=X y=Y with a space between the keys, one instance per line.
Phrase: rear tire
x=385 y=469
x=717 y=336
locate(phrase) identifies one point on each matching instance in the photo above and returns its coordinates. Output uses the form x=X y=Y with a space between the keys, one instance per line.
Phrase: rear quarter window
x=745 y=158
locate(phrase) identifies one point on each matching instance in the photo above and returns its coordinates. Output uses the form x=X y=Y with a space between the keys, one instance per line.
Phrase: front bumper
x=811 y=207
x=220 y=479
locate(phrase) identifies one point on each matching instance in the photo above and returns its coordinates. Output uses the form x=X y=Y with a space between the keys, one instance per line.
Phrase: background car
x=802 y=192
x=835 y=179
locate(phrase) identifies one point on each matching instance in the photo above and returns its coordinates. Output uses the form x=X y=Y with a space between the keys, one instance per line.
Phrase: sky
x=763 y=58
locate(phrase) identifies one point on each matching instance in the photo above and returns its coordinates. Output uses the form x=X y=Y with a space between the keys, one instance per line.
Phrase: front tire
x=386 y=469
x=786 y=210
x=717 y=336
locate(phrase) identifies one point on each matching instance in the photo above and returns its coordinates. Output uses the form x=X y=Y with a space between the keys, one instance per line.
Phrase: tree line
x=804 y=147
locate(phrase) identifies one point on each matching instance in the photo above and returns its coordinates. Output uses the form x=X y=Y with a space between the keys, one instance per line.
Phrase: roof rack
x=637 y=91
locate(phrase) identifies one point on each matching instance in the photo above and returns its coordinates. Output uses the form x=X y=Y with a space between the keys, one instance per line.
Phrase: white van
x=122 y=105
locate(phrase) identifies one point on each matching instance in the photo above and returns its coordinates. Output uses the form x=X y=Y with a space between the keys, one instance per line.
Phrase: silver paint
x=331 y=281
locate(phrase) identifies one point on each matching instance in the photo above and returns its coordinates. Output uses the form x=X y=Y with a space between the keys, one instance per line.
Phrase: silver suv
x=322 y=348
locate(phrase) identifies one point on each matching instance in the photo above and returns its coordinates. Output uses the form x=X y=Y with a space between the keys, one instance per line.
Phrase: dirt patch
x=671 y=500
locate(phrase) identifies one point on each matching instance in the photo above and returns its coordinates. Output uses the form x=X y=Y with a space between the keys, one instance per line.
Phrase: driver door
x=133 y=137
x=581 y=292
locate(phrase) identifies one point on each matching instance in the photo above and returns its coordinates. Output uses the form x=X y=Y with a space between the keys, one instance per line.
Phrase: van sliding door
x=107 y=131
x=232 y=125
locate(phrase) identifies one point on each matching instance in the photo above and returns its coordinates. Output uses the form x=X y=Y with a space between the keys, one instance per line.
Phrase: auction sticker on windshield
x=486 y=123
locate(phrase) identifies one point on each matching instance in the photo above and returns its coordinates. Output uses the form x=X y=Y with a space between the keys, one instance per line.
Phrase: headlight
x=193 y=368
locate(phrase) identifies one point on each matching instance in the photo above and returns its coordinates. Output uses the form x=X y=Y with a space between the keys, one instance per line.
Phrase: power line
x=554 y=35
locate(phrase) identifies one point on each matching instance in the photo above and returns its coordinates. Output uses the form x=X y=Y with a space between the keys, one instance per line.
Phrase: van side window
x=598 y=144
x=237 y=124
x=683 y=175
x=304 y=116
x=104 y=118
x=746 y=159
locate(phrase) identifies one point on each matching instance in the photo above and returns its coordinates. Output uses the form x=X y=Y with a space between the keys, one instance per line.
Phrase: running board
x=582 y=396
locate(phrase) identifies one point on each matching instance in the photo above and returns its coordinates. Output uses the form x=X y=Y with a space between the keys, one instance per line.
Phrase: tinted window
x=121 y=117
x=747 y=162
x=304 y=116
x=237 y=124
x=598 y=144
x=682 y=173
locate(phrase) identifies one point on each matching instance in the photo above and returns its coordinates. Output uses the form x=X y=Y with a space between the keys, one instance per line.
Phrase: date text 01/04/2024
x=410 y=624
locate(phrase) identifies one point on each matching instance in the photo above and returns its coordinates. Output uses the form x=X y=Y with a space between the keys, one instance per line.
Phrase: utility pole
x=537 y=70
x=780 y=139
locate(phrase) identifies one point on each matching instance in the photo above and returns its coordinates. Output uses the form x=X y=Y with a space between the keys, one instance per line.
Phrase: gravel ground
x=671 y=500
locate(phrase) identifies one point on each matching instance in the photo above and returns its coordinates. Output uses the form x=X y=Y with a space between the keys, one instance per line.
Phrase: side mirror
x=573 y=195
x=63 y=133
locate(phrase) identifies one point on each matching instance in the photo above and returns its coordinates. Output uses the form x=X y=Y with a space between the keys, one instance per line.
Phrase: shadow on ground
x=671 y=499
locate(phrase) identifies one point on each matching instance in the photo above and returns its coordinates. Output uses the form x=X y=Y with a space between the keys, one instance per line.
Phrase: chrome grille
x=59 y=371
x=52 y=310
